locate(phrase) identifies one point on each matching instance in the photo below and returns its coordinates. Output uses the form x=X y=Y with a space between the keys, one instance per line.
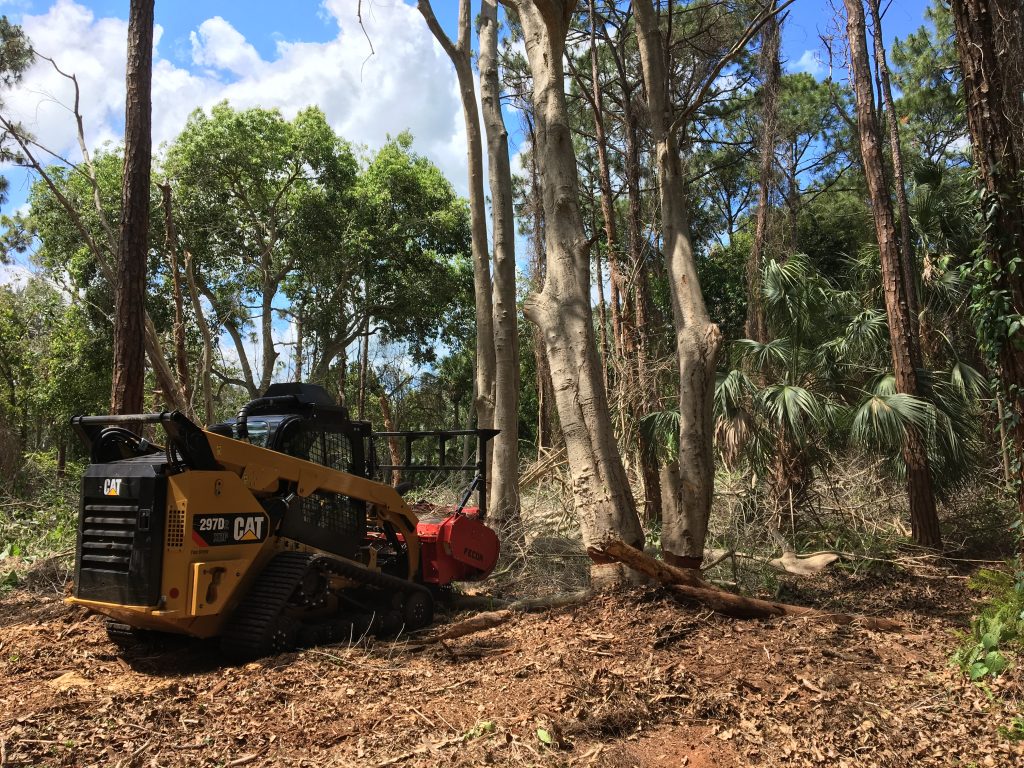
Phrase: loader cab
x=302 y=420
x=261 y=430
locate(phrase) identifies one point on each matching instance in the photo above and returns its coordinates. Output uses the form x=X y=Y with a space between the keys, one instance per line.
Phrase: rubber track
x=121 y=633
x=247 y=633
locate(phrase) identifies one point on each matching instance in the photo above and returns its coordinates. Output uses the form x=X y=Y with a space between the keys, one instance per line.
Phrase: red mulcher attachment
x=457 y=545
x=459 y=548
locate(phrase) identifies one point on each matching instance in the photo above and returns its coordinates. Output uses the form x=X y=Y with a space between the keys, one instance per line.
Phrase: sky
x=288 y=55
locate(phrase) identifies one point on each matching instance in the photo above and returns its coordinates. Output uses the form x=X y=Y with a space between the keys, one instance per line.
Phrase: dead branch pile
x=689 y=585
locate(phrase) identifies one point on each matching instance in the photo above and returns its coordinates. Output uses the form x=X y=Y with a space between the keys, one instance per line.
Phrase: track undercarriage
x=302 y=599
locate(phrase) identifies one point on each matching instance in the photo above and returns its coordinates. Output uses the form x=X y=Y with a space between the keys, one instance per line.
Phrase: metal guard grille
x=175 y=529
x=335 y=513
x=108 y=535
x=329 y=449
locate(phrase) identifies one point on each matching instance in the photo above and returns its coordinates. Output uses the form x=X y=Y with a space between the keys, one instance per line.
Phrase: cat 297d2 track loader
x=269 y=532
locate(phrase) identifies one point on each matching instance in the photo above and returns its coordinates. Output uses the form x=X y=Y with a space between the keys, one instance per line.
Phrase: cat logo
x=112 y=487
x=249 y=528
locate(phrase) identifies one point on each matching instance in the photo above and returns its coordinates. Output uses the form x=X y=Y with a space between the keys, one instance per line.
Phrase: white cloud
x=407 y=83
x=83 y=45
x=219 y=45
x=809 y=63
x=14 y=275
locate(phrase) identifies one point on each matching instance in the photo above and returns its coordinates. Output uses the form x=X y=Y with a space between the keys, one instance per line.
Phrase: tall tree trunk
x=299 y=340
x=299 y=350
x=605 y=178
x=503 y=495
x=206 y=364
x=908 y=267
x=906 y=350
x=793 y=199
x=602 y=319
x=231 y=326
x=771 y=74
x=342 y=377
x=127 y=391
x=538 y=269
x=267 y=352
x=633 y=337
x=698 y=340
x=180 y=350
x=990 y=43
x=364 y=366
x=394 y=449
x=460 y=52
x=562 y=309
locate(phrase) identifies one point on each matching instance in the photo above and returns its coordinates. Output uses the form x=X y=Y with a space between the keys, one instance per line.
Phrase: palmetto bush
x=822 y=386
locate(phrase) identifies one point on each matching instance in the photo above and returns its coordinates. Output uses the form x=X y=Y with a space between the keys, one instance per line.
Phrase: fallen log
x=656 y=569
x=689 y=585
x=810 y=564
x=491 y=619
x=477 y=623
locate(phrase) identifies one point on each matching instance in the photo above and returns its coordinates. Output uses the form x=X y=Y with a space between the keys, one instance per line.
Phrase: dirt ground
x=630 y=679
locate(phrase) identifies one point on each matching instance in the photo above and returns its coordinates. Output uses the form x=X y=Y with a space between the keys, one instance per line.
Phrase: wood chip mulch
x=629 y=679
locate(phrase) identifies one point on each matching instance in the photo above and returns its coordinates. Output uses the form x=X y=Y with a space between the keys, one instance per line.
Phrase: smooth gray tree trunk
x=698 y=340
x=503 y=494
x=562 y=310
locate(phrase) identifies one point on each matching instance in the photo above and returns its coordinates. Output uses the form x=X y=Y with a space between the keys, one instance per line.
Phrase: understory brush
x=38 y=511
x=996 y=638
x=854 y=509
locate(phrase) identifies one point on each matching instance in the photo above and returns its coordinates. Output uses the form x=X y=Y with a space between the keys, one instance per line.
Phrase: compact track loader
x=269 y=532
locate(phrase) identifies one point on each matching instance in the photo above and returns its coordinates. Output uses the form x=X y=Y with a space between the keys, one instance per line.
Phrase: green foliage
x=822 y=384
x=39 y=513
x=832 y=228
x=1015 y=730
x=53 y=360
x=926 y=70
x=288 y=220
x=16 y=56
x=413 y=240
x=289 y=217
x=483 y=728
x=997 y=633
x=723 y=283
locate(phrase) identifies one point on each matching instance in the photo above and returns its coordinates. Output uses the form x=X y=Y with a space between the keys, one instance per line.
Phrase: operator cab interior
x=302 y=420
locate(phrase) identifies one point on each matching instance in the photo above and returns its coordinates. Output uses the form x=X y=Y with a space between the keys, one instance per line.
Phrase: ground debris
x=630 y=679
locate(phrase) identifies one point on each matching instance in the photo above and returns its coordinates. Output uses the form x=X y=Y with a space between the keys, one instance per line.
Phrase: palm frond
x=797 y=410
x=764 y=357
x=733 y=435
x=882 y=384
x=732 y=390
x=866 y=334
x=883 y=420
x=968 y=381
x=661 y=430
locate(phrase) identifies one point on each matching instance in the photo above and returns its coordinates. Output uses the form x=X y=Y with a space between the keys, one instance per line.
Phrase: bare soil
x=629 y=679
